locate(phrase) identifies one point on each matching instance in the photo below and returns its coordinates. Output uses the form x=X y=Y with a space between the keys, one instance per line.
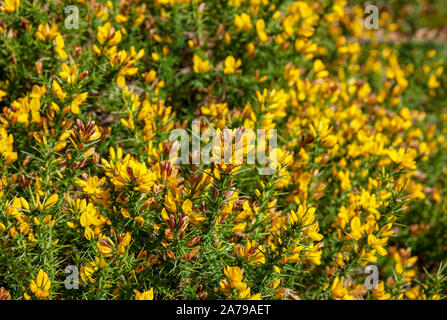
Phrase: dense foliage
x=87 y=182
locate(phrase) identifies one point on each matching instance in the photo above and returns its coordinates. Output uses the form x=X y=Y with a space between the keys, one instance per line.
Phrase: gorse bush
x=94 y=206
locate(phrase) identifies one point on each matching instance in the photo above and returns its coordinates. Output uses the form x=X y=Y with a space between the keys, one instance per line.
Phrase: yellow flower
x=314 y=253
x=404 y=158
x=231 y=65
x=89 y=215
x=319 y=69
x=45 y=31
x=116 y=39
x=260 y=26
x=10 y=6
x=170 y=202
x=233 y=273
x=380 y=293
x=279 y=158
x=200 y=65
x=338 y=291
x=377 y=244
x=92 y=185
x=2 y=93
x=150 y=76
x=58 y=90
x=356 y=228
x=51 y=201
x=130 y=172
x=405 y=264
x=251 y=50
x=145 y=295
x=125 y=241
x=215 y=109
x=252 y=252
x=106 y=33
x=41 y=286
x=90 y=268
x=239 y=227
x=433 y=83
x=120 y=18
x=105 y=246
x=125 y=213
x=414 y=293
x=60 y=47
x=242 y=22
x=194 y=217
x=78 y=100
x=369 y=203
x=89 y=234
x=6 y=146
x=69 y=73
